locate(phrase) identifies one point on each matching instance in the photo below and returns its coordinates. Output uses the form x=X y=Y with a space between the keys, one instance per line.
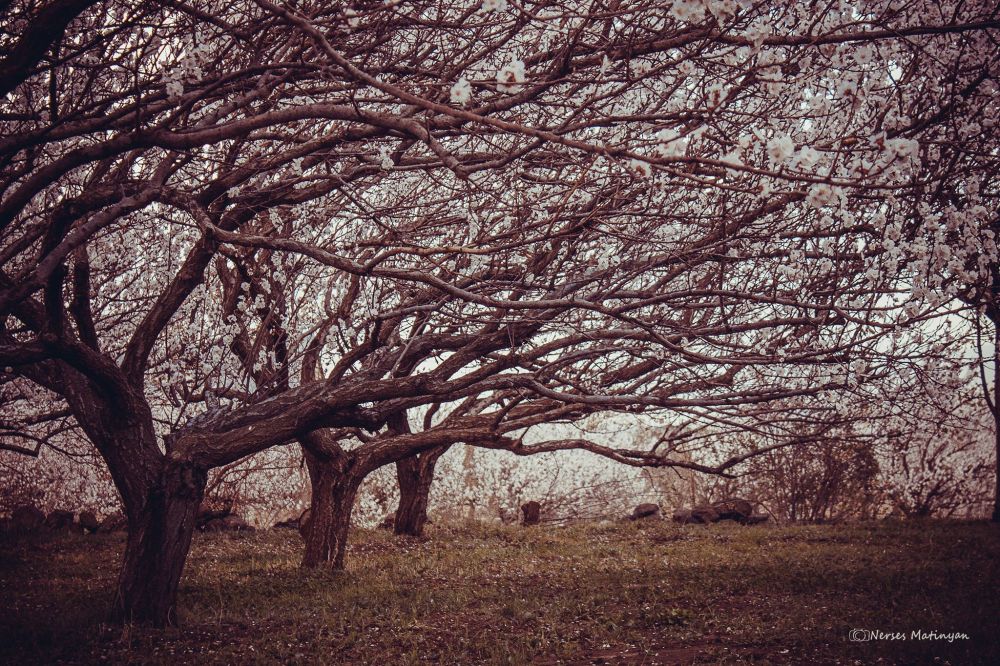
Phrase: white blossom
x=820 y=195
x=780 y=148
x=640 y=168
x=461 y=92
x=174 y=89
x=863 y=54
x=385 y=158
x=722 y=10
x=902 y=148
x=689 y=11
x=671 y=144
x=847 y=86
x=806 y=157
x=757 y=33
x=510 y=77
x=717 y=94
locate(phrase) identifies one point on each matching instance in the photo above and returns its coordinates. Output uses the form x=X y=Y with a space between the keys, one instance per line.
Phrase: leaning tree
x=553 y=210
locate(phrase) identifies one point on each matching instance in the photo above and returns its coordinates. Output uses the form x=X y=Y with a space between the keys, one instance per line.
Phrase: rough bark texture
x=159 y=538
x=996 y=491
x=996 y=419
x=335 y=484
x=994 y=316
x=415 y=475
x=45 y=29
x=160 y=497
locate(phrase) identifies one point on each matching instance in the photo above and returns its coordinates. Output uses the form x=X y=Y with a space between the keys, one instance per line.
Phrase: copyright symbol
x=860 y=635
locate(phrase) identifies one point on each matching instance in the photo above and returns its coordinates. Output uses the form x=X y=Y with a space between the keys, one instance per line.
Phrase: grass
x=631 y=593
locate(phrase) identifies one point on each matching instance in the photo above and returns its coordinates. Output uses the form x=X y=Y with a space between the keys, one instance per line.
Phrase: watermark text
x=864 y=635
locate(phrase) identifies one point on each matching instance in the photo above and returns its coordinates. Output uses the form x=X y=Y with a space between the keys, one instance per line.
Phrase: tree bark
x=996 y=411
x=415 y=476
x=996 y=490
x=159 y=538
x=335 y=484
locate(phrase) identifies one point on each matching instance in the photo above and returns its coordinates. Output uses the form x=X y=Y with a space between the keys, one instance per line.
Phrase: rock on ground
x=531 y=513
x=734 y=508
x=59 y=520
x=114 y=523
x=26 y=518
x=88 y=521
x=231 y=523
x=731 y=508
x=647 y=510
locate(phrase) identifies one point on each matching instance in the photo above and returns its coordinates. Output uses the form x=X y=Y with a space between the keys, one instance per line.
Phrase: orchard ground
x=627 y=593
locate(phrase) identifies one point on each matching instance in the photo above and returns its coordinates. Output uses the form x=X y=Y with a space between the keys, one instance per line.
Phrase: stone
x=682 y=516
x=213 y=510
x=236 y=523
x=230 y=523
x=704 y=514
x=646 y=510
x=59 y=520
x=26 y=518
x=701 y=514
x=114 y=523
x=88 y=521
x=213 y=525
x=531 y=512
x=734 y=508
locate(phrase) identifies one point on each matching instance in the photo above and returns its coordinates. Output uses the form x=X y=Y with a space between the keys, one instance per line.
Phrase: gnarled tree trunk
x=993 y=314
x=415 y=475
x=996 y=478
x=335 y=483
x=996 y=421
x=159 y=538
x=160 y=496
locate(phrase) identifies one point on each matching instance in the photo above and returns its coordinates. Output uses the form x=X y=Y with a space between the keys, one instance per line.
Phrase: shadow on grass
x=627 y=593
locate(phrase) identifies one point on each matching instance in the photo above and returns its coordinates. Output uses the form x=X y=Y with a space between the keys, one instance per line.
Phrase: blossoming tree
x=542 y=210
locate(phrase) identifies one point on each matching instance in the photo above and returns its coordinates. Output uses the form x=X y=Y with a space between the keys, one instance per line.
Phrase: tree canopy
x=226 y=226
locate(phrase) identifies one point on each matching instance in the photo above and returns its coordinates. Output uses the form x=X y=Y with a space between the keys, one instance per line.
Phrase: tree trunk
x=335 y=485
x=996 y=490
x=996 y=415
x=159 y=538
x=415 y=475
x=996 y=441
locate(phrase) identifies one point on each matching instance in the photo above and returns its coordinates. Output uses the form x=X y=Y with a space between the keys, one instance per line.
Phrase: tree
x=992 y=312
x=944 y=247
x=935 y=460
x=415 y=475
x=554 y=210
